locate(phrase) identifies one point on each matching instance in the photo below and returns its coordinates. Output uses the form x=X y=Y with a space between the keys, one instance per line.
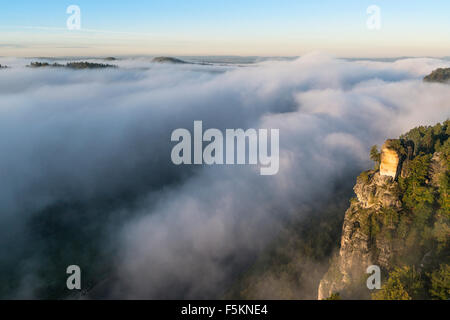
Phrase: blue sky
x=246 y=27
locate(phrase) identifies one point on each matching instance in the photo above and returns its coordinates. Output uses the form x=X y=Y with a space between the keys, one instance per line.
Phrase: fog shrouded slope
x=86 y=176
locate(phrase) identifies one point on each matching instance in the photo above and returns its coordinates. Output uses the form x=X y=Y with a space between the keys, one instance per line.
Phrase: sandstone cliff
x=390 y=160
x=359 y=249
x=399 y=218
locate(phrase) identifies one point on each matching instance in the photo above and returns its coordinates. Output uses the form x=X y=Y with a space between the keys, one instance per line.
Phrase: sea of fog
x=86 y=176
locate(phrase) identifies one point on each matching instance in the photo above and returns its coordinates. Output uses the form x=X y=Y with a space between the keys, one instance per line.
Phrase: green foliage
x=88 y=65
x=397 y=145
x=445 y=149
x=365 y=221
x=441 y=231
x=44 y=64
x=375 y=156
x=422 y=227
x=404 y=283
x=428 y=139
x=440 y=283
x=416 y=193
x=404 y=225
x=444 y=188
x=391 y=217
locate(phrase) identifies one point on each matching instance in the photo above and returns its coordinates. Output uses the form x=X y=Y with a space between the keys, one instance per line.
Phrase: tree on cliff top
x=375 y=156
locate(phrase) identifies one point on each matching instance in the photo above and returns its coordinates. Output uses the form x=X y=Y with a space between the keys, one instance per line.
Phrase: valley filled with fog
x=86 y=176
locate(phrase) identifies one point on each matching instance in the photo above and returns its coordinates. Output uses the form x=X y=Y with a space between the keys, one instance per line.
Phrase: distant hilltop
x=72 y=65
x=441 y=75
x=168 y=60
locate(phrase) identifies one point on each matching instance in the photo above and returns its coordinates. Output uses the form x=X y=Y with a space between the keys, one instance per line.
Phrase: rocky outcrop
x=437 y=166
x=382 y=227
x=72 y=65
x=360 y=247
x=441 y=75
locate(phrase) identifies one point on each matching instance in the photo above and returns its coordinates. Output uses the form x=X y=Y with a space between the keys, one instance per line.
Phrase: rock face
x=377 y=192
x=437 y=166
x=359 y=248
x=390 y=161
